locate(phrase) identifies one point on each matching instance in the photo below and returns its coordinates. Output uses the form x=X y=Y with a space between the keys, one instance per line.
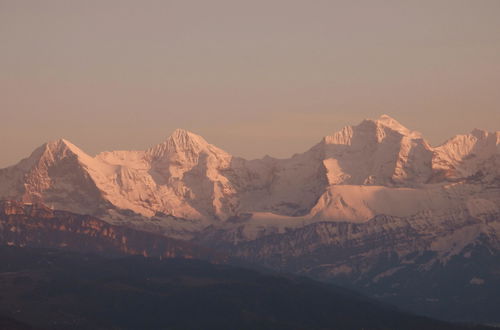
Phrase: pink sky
x=252 y=77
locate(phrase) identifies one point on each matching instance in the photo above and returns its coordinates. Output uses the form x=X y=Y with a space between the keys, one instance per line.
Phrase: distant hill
x=64 y=290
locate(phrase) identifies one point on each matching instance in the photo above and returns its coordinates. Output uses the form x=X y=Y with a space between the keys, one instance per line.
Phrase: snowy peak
x=183 y=139
x=371 y=130
x=61 y=143
x=62 y=148
x=52 y=152
x=58 y=173
x=390 y=122
x=477 y=143
x=182 y=142
x=189 y=178
x=468 y=155
x=376 y=152
x=386 y=123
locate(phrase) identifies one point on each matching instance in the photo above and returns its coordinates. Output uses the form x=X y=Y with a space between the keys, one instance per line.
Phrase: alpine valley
x=373 y=207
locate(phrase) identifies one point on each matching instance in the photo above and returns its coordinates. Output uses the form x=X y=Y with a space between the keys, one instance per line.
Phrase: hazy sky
x=252 y=77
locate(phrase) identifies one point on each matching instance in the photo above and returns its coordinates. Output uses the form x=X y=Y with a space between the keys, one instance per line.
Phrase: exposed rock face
x=57 y=173
x=329 y=249
x=36 y=225
x=441 y=265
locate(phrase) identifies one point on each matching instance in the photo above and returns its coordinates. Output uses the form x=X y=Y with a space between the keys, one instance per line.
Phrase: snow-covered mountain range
x=376 y=167
x=366 y=203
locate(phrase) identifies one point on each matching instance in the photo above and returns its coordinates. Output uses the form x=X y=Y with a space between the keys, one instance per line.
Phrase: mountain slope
x=442 y=265
x=35 y=225
x=186 y=177
x=363 y=206
x=56 y=173
x=91 y=292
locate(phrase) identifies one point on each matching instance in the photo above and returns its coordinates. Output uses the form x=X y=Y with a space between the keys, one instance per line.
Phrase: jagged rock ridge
x=36 y=225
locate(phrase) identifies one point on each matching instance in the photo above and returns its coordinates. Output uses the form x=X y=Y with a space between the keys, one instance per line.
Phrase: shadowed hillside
x=63 y=290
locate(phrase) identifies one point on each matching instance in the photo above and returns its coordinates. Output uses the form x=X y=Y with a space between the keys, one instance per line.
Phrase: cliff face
x=36 y=225
x=441 y=265
x=331 y=249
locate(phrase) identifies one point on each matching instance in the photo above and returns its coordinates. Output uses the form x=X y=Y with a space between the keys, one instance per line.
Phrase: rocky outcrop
x=36 y=225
